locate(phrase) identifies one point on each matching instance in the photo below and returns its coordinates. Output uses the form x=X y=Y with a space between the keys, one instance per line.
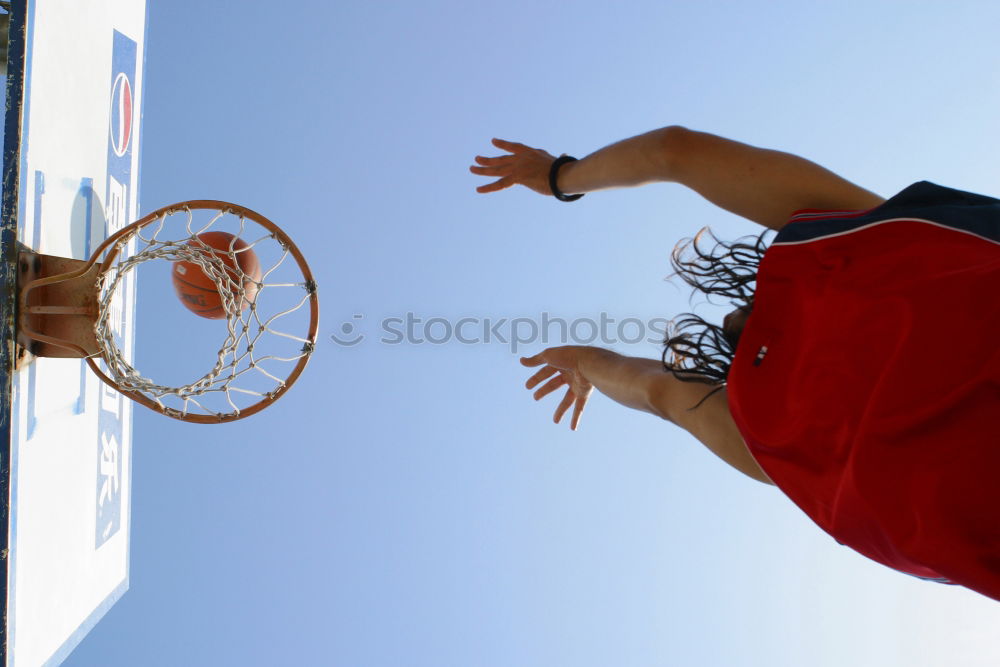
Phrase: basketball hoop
x=71 y=308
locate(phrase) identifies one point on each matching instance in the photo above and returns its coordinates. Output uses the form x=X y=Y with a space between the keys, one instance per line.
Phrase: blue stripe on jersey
x=923 y=201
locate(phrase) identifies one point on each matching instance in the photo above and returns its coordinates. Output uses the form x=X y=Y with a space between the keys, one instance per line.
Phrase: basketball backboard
x=70 y=178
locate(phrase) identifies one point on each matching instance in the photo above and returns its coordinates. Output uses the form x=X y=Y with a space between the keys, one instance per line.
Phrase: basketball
x=198 y=292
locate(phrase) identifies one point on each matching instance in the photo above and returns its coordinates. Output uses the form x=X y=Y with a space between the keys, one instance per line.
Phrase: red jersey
x=866 y=382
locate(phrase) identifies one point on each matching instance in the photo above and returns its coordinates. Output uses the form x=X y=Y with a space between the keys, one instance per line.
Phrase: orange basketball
x=199 y=293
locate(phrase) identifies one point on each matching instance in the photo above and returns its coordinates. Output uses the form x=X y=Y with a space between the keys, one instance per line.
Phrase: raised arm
x=764 y=186
x=644 y=385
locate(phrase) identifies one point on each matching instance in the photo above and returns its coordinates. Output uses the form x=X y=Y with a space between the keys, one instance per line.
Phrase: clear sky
x=409 y=504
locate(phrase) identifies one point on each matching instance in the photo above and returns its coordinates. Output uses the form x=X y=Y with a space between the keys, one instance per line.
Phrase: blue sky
x=410 y=504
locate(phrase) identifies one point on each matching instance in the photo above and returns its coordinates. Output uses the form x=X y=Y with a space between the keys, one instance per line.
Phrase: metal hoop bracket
x=64 y=306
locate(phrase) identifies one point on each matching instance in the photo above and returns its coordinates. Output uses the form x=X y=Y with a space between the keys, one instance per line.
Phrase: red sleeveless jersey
x=866 y=382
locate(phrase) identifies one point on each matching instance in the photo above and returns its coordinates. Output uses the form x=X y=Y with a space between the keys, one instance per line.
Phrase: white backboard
x=71 y=177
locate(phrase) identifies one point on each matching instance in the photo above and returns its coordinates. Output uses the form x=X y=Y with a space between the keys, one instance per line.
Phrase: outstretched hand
x=524 y=166
x=564 y=364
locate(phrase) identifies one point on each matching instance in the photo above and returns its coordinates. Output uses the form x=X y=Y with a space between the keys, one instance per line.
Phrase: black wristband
x=554 y=174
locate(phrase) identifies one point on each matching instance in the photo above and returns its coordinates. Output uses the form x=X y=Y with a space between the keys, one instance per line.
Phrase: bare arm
x=643 y=384
x=764 y=186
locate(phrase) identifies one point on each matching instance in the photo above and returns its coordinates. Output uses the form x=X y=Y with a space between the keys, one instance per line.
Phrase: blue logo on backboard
x=118 y=211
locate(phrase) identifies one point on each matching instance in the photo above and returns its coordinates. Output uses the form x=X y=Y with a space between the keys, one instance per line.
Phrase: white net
x=267 y=314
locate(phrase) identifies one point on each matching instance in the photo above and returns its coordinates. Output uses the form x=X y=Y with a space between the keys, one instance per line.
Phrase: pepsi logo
x=121 y=115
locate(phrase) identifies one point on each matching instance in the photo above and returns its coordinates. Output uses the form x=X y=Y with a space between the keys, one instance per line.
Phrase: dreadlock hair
x=696 y=350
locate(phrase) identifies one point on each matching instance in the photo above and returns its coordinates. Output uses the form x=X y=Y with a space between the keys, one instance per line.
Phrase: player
x=859 y=371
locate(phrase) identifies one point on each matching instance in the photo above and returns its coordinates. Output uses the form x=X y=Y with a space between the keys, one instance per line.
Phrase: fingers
x=496 y=166
x=502 y=184
x=578 y=406
x=550 y=387
x=495 y=161
x=524 y=166
x=511 y=146
x=572 y=398
x=546 y=372
x=564 y=405
x=491 y=165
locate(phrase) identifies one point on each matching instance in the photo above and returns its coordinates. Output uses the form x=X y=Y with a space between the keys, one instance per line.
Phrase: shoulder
x=711 y=422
